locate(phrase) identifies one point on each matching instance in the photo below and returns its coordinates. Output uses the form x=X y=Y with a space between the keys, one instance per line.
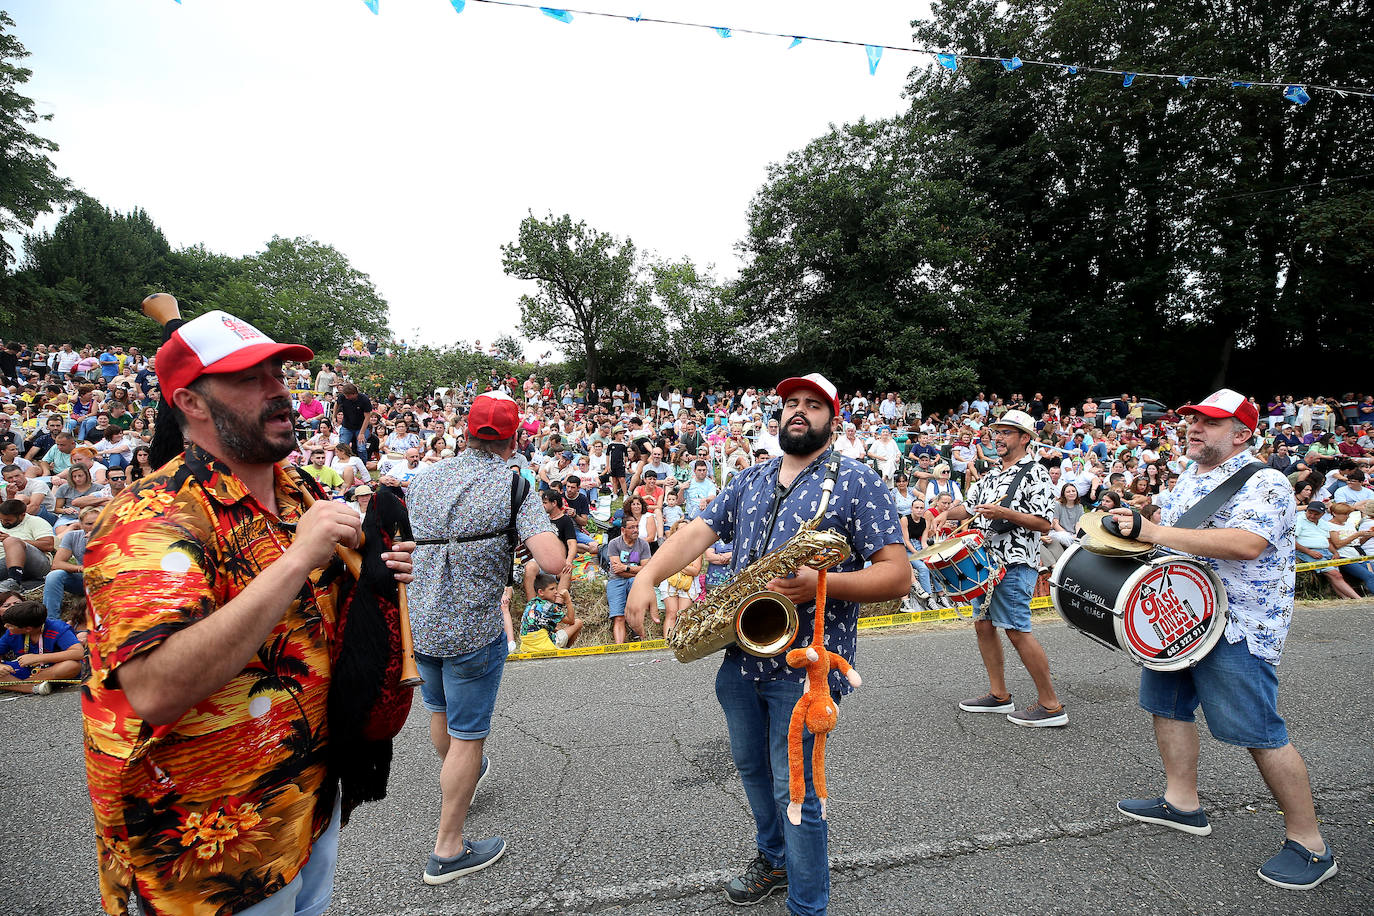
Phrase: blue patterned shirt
x=455 y=600
x=860 y=508
x=1259 y=592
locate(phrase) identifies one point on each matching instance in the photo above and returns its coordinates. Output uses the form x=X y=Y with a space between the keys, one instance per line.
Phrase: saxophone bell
x=766 y=623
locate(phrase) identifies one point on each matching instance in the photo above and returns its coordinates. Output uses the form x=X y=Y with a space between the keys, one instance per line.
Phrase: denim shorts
x=1008 y=608
x=463 y=687
x=1239 y=694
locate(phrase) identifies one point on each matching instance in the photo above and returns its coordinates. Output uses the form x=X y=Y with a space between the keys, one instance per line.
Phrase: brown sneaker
x=1038 y=716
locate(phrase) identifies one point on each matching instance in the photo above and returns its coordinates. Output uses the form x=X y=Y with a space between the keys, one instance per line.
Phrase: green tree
x=860 y=266
x=689 y=333
x=29 y=186
x=509 y=348
x=587 y=282
x=302 y=290
x=86 y=277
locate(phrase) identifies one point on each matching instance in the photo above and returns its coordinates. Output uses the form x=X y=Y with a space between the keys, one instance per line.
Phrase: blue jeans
x=1008 y=607
x=55 y=583
x=1361 y=571
x=464 y=687
x=310 y=892
x=352 y=439
x=1238 y=692
x=617 y=593
x=757 y=714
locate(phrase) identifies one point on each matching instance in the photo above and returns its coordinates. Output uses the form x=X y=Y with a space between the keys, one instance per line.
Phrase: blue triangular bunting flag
x=459 y=5
x=875 y=54
x=1185 y=81
x=1013 y=64
x=1127 y=79
x=370 y=4
x=722 y=31
x=948 y=61
x=560 y=15
x=1073 y=71
x=795 y=41
x=1237 y=84
x=1297 y=95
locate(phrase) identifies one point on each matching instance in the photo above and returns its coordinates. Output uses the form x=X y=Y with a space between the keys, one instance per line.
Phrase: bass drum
x=1168 y=612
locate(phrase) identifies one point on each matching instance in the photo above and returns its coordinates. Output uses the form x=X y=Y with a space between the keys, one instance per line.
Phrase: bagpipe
x=373 y=673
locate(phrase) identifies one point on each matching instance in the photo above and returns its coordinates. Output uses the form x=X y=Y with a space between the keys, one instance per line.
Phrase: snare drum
x=963 y=566
x=1168 y=611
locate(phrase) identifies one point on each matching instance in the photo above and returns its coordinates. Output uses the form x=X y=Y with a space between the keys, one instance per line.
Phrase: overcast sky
x=415 y=141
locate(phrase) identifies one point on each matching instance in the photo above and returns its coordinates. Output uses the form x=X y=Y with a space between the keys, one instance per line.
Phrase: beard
x=247 y=440
x=1207 y=455
x=802 y=443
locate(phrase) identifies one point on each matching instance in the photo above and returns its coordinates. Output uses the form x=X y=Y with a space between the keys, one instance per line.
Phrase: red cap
x=494 y=416
x=814 y=381
x=213 y=343
x=1226 y=403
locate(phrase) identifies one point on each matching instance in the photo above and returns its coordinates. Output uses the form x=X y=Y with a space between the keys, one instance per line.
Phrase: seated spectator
x=942 y=485
x=1354 y=491
x=626 y=554
x=349 y=467
x=360 y=497
x=31 y=491
x=1350 y=541
x=1068 y=511
x=1316 y=542
x=67 y=563
x=326 y=477
x=113 y=448
x=28 y=542
x=311 y=410
x=76 y=494
x=37 y=649
x=399 y=473
x=141 y=463
x=681 y=588
x=650 y=491
x=549 y=620
x=718 y=557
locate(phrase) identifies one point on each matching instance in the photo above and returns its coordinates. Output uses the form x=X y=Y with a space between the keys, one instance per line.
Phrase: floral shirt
x=1259 y=592
x=217 y=810
x=541 y=614
x=860 y=508
x=1034 y=496
x=455 y=600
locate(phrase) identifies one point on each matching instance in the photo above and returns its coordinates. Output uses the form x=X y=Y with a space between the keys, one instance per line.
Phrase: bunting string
x=1295 y=91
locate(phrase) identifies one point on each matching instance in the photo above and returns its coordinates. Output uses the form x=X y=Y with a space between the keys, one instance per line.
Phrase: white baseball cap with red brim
x=1225 y=403
x=217 y=342
x=814 y=381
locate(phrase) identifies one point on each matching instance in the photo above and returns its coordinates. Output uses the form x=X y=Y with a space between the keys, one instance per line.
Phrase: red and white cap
x=494 y=416
x=815 y=381
x=1225 y=403
x=216 y=342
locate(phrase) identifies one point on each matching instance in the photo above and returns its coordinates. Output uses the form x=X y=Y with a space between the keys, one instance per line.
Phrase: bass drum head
x=1172 y=613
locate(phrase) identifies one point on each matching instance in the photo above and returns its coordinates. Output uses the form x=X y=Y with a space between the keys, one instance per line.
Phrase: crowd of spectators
x=75 y=426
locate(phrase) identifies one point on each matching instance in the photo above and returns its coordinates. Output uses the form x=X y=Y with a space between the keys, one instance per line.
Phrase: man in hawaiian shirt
x=760 y=509
x=1016 y=548
x=212 y=629
x=1249 y=542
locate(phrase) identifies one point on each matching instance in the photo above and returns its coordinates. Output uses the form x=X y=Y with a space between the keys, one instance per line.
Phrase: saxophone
x=763 y=622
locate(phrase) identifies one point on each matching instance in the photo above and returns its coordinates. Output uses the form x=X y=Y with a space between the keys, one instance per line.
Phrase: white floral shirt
x=1259 y=592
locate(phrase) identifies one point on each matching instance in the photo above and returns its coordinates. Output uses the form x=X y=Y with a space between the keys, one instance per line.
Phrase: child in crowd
x=549 y=621
x=36 y=649
x=672 y=512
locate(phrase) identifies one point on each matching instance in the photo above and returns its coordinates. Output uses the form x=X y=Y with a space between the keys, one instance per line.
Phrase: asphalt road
x=613 y=786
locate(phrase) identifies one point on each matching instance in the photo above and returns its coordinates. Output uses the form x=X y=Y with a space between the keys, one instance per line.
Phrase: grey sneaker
x=758 y=881
x=11 y=585
x=988 y=703
x=476 y=856
x=1038 y=716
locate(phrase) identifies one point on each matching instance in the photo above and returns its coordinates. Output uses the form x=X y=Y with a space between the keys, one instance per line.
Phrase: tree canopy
x=586 y=283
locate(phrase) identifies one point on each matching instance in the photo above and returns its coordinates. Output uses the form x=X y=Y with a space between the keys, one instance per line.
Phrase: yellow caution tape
x=877 y=622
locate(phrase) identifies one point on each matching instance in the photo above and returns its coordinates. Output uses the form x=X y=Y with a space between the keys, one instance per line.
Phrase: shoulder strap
x=1206 y=507
x=1016 y=483
x=519 y=489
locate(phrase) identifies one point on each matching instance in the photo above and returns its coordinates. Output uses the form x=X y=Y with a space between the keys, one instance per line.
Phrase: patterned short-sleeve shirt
x=860 y=508
x=455 y=600
x=218 y=809
x=1034 y=496
x=1259 y=592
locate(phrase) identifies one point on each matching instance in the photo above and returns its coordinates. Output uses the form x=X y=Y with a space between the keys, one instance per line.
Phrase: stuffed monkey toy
x=816 y=710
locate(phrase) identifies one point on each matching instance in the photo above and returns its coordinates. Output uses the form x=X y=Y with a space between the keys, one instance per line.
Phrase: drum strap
x=1207 y=507
x=1003 y=525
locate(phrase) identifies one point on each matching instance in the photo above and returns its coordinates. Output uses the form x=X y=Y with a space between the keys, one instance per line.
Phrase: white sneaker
x=561 y=639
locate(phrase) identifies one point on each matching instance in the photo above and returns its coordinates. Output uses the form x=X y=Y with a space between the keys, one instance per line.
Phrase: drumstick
x=163 y=308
